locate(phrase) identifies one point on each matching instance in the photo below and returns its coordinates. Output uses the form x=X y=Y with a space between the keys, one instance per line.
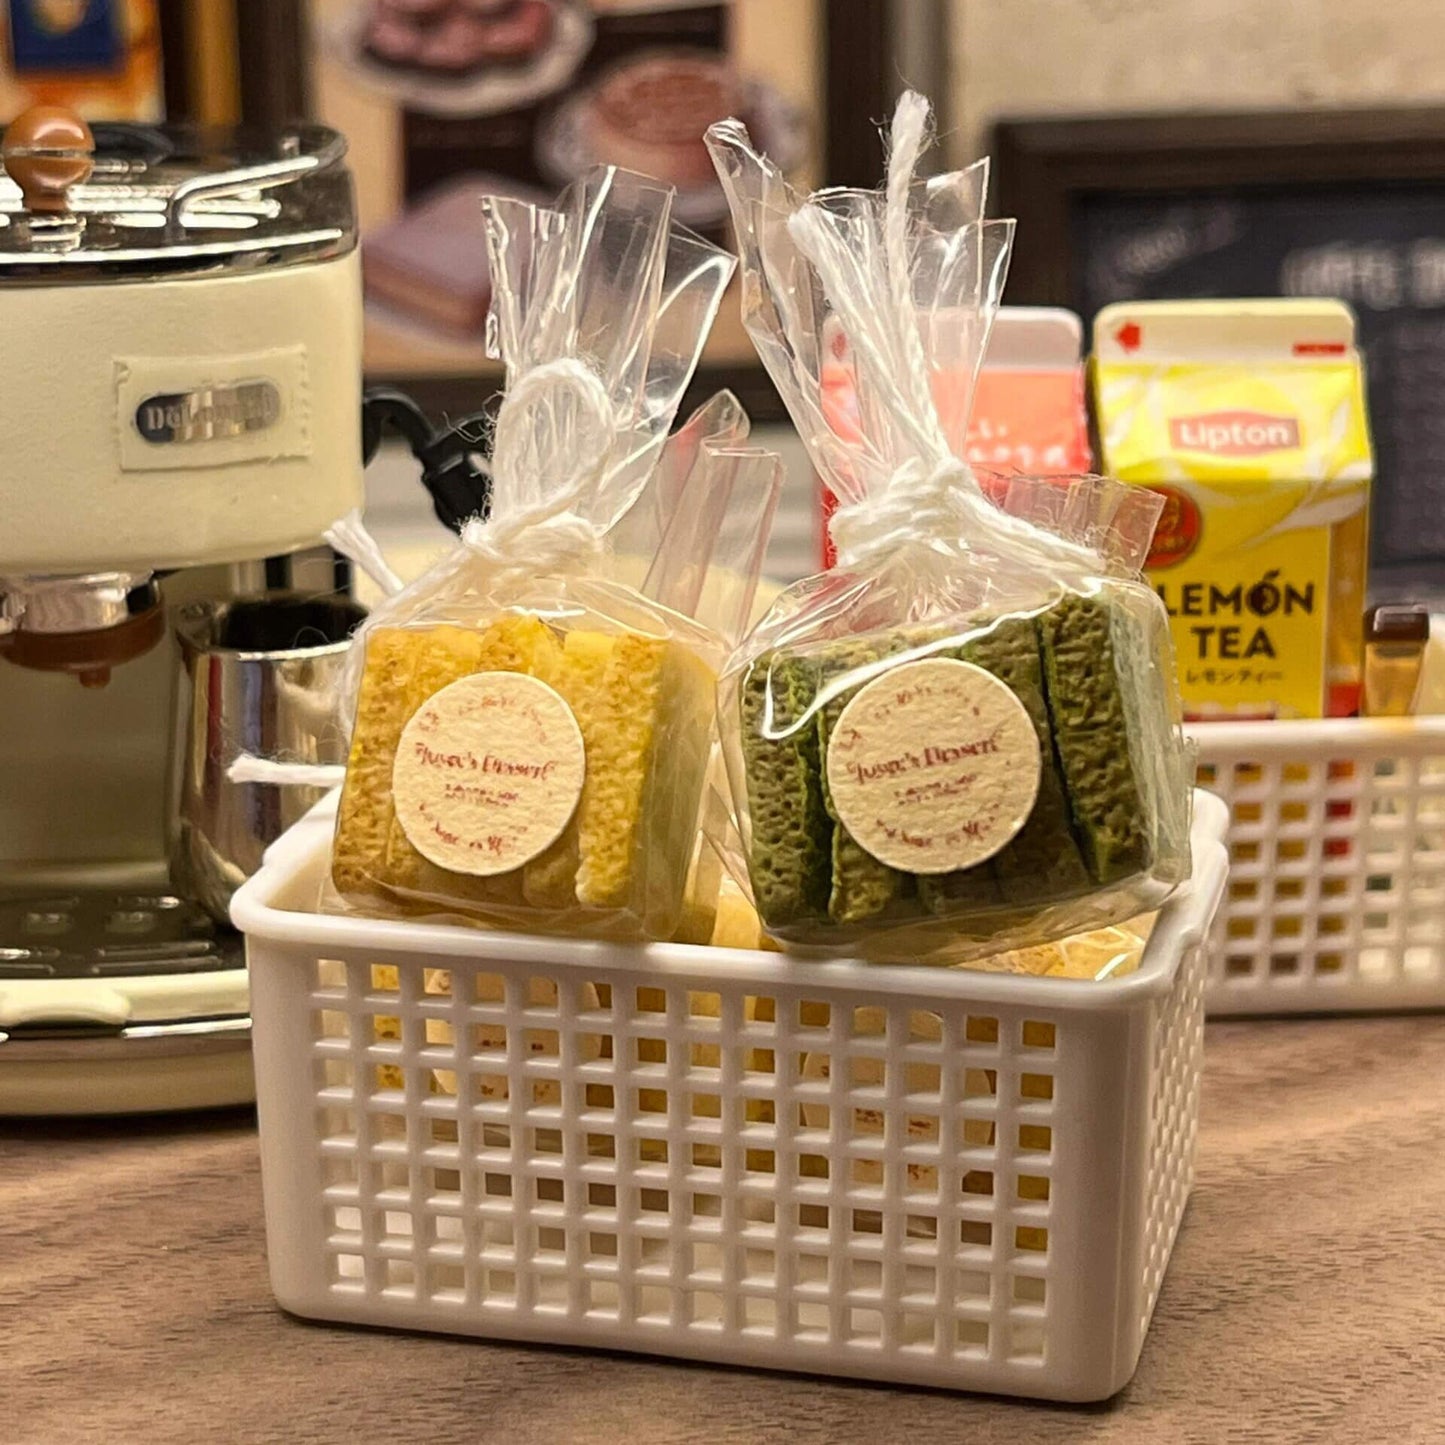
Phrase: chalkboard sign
x=1344 y=206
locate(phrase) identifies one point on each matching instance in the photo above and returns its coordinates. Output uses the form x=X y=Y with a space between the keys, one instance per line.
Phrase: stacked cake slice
x=642 y=705
x=1086 y=828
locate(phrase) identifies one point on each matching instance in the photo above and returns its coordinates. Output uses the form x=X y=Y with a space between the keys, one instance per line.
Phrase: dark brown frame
x=180 y=93
x=1044 y=167
x=858 y=86
x=275 y=58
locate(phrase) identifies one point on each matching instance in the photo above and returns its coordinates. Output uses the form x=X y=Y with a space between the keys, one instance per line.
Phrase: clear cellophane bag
x=534 y=717
x=966 y=737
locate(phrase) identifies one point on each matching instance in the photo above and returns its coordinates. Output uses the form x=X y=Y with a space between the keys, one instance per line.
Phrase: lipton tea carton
x=1028 y=409
x=1249 y=418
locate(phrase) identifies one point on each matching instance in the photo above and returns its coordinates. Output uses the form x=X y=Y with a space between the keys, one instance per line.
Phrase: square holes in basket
x=1174 y=1111
x=1337 y=872
x=643 y=1154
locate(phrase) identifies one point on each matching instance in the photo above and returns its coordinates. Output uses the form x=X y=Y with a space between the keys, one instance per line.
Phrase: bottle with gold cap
x=1396 y=636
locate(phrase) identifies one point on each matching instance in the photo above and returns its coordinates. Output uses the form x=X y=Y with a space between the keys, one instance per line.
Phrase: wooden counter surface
x=1304 y=1301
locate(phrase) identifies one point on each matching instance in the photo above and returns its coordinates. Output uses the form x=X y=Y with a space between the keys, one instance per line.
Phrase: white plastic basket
x=1336 y=896
x=933 y=1176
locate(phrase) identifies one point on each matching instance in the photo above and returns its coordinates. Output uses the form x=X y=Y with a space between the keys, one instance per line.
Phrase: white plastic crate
x=1336 y=896
x=934 y=1176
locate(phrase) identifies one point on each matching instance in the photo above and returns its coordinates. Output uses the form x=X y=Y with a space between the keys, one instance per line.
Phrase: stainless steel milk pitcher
x=258 y=675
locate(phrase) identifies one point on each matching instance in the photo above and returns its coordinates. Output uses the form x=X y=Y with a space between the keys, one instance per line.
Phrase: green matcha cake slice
x=967 y=890
x=1091 y=737
x=862 y=887
x=791 y=832
x=1042 y=860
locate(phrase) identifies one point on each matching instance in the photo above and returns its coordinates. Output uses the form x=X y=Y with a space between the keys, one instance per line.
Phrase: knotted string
x=920 y=501
x=351 y=539
x=553 y=439
x=556 y=421
x=247 y=768
x=541 y=540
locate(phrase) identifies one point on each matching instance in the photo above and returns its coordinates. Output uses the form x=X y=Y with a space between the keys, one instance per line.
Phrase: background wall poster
x=446 y=100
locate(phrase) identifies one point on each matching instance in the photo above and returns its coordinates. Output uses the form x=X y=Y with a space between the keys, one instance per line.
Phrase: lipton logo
x=1234 y=433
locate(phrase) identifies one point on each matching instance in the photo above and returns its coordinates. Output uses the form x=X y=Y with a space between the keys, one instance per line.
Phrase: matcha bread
x=862 y=887
x=1091 y=734
x=1086 y=828
x=1042 y=858
x=790 y=857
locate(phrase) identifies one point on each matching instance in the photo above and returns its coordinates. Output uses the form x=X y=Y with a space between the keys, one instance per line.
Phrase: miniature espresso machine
x=180 y=401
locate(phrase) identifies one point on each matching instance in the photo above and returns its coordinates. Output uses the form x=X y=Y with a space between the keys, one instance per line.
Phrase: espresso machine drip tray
x=119 y=1002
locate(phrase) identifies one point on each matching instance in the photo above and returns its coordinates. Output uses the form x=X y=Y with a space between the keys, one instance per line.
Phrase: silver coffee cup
x=260 y=676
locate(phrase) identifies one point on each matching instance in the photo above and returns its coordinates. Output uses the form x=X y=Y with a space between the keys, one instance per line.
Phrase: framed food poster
x=102 y=58
x=445 y=101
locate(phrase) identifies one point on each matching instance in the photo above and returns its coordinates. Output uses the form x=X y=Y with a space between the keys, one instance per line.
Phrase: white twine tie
x=919 y=501
x=556 y=421
x=539 y=540
x=247 y=768
x=350 y=537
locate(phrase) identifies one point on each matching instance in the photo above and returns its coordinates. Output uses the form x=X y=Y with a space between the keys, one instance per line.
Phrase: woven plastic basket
x=942 y=1177
x=1337 y=865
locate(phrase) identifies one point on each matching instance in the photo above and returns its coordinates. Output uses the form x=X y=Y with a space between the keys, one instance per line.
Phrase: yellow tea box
x=1249 y=418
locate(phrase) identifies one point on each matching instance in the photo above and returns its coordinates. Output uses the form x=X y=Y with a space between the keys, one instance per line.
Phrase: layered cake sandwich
x=649 y=114
x=430 y=263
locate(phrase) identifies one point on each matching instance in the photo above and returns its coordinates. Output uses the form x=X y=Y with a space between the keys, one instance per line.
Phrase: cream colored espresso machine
x=180 y=404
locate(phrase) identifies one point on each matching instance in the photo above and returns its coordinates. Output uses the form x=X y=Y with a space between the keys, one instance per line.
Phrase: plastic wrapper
x=966 y=737
x=1103 y=953
x=534 y=716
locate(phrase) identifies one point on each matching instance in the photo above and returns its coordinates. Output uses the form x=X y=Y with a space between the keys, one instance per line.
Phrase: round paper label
x=488 y=773
x=934 y=766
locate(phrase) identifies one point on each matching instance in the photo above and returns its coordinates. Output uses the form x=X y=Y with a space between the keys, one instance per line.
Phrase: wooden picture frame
x=108 y=61
x=273 y=46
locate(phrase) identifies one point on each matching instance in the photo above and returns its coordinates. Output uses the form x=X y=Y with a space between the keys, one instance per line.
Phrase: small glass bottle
x=1396 y=636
